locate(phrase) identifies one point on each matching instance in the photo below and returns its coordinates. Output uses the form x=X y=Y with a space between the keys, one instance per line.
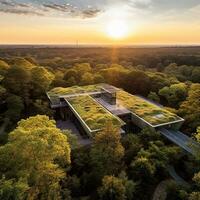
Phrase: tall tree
x=190 y=108
x=17 y=81
x=41 y=79
x=174 y=94
x=35 y=154
x=107 y=151
x=195 y=195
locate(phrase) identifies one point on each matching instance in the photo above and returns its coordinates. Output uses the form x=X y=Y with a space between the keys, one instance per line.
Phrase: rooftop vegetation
x=92 y=113
x=60 y=91
x=151 y=113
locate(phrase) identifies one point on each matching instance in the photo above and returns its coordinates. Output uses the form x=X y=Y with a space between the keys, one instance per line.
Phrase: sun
x=117 y=29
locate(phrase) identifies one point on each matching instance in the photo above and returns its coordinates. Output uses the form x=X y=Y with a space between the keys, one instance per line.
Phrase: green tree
x=71 y=82
x=132 y=145
x=71 y=73
x=98 y=79
x=196 y=75
x=158 y=81
x=3 y=67
x=190 y=108
x=82 y=68
x=107 y=151
x=3 y=93
x=112 y=188
x=41 y=79
x=154 y=97
x=39 y=151
x=15 y=107
x=87 y=79
x=174 y=94
x=138 y=82
x=154 y=159
x=17 y=81
x=12 y=189
x=195 y=195
x=22 y=62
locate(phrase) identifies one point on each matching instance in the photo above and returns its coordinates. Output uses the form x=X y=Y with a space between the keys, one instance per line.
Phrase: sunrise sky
x=100 y=22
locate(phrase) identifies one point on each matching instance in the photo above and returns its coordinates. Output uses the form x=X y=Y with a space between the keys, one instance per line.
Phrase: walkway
x=181 y=140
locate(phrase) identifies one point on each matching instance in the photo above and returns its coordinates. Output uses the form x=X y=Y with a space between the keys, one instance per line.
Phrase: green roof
x=92 y=113
x=150 y=112
x=55 y=93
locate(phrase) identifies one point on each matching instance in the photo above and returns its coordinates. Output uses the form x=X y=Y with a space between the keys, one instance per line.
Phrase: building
x=91 y=107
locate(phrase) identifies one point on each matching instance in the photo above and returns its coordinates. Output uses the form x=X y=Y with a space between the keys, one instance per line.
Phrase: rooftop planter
x=152 y=114
x=92 y=113
x=57 y=92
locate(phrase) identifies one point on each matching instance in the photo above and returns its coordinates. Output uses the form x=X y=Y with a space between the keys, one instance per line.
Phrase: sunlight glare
x=117 y=29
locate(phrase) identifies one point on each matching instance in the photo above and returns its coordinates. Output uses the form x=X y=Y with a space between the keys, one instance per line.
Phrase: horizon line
x=72 y=45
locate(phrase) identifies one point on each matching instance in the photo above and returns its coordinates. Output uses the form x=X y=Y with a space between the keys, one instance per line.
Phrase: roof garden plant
x=55 y=93
x=151 y=113
x=92 y=113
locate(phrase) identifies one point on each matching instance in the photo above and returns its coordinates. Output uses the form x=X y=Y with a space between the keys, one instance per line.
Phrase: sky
x=125 y=22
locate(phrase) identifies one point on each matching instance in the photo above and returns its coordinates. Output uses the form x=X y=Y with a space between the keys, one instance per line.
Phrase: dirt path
x=160 y=191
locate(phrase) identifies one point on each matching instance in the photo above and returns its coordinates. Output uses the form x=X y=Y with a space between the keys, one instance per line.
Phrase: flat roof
x=92 y=113
x=152 y=114
x=149 y=112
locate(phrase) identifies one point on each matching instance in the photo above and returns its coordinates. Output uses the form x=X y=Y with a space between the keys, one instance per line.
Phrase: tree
x=87 y=79
x=107 y=151
x=39 y=151
x=148 y=135
x=132 y=145
x=22 y=62
x=72 y=139
x=2 y=93
x=41 y=79
x=116 y=188
x=71 y=73
x=3 y=67
x=114 y=75
x=154 y=159
x=158 y=81
x=138 y=82
x=195 y=195
x=112 y=188
x=154 y=97
x=17 y=81
x=190 y=108
x=174 y=94
x=71 y=82
x=12 y=189
x=41 y=107
x=82 y=68
x=196 y=75
x=15 y=106
x=98 y=79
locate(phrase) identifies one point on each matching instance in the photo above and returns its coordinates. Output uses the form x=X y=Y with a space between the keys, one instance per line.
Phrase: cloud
x=46 y=9
x=88 y=12
x=20 y=12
